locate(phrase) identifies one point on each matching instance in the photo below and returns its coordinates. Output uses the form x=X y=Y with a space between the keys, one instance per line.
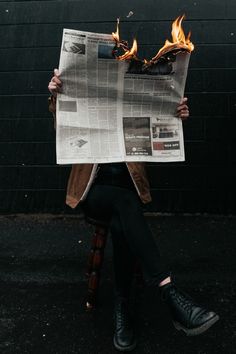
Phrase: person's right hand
x=55 y=85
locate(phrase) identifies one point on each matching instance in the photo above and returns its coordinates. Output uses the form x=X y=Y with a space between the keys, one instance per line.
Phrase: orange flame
x=131 y=53
x=128 y=53
x=179 y=41
x=116 y=35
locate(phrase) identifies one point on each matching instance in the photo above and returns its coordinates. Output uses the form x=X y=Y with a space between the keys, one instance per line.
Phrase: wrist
x=52 y=103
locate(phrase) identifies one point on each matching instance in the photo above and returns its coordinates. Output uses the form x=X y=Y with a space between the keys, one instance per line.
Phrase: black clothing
x=187 y=315
x=114 y=174
x=112 y=199
x=124 y=336
x=131 y=235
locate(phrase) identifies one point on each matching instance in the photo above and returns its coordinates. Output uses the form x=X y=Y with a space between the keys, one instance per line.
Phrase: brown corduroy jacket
x=82 y=175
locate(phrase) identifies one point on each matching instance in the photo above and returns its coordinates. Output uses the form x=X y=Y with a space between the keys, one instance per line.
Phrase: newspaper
x=112 y=110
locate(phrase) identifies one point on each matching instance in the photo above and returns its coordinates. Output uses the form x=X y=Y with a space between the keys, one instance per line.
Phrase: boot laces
x=183 y=300
x=122 y=315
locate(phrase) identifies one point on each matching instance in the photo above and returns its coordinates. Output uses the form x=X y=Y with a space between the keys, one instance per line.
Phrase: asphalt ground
x=43 y=286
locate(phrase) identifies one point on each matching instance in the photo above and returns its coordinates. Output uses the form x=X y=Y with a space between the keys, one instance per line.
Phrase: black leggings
x=131 y=237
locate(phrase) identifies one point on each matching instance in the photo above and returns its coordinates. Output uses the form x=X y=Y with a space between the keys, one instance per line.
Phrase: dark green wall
x=30 y=37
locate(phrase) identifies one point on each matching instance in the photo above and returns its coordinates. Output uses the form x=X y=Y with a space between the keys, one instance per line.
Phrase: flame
x=130 y=54
x=179 y=41
x=116 y=35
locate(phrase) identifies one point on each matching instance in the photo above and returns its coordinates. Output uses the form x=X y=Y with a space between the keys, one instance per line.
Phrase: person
x=116 y=192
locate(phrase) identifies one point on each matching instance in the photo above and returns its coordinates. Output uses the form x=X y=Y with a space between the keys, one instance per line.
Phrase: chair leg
x=95 y=261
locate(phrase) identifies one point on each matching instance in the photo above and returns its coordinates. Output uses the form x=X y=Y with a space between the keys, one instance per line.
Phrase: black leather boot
x=124 y=337
x=187 y=316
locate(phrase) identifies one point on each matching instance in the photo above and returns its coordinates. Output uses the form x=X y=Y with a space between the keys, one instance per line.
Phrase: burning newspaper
x=116 y=107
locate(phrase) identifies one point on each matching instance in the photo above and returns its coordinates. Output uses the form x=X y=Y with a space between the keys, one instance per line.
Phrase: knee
x=129 y=200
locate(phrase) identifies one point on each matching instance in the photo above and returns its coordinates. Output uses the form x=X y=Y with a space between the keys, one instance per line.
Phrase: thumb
x=184 y=100
x=56 y=72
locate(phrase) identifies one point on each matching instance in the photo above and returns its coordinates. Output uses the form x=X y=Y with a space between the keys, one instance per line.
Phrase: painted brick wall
x=30 y=37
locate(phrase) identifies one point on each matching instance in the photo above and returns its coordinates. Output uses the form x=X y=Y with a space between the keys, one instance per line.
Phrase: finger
x=183 y=100
x=53 y=83
x=56 y=80
x=182 y=107
x=184 y=115
x=53 y=88
x=56 y=72
x=183 y=111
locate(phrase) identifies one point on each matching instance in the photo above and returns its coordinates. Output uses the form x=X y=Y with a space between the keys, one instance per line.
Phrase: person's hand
x=182 y=109
x=55 y=85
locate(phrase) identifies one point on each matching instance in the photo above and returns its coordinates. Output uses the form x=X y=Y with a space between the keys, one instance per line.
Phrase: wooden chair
x=95 y=261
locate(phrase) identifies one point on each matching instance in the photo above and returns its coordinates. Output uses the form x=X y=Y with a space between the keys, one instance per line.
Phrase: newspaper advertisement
x=112 y=110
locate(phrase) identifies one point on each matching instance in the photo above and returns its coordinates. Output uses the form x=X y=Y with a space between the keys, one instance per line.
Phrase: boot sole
x=124 y=349
x=195 y=331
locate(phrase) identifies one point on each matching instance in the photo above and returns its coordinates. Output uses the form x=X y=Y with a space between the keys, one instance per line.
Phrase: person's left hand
x=182 y=109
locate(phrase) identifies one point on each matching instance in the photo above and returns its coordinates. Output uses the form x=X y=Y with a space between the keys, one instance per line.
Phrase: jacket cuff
x=52 y=104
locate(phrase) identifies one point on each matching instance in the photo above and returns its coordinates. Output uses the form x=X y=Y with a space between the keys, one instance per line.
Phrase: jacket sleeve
x=52 y=107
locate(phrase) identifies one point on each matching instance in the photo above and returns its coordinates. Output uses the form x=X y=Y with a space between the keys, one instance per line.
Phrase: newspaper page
x=114 y=111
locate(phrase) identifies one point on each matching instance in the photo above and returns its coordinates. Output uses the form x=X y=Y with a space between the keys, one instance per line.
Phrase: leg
x=124 y=208
x=124 y=205
x=128 y=210
x=98 y=206
x=187 y=315
x=123 y=261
